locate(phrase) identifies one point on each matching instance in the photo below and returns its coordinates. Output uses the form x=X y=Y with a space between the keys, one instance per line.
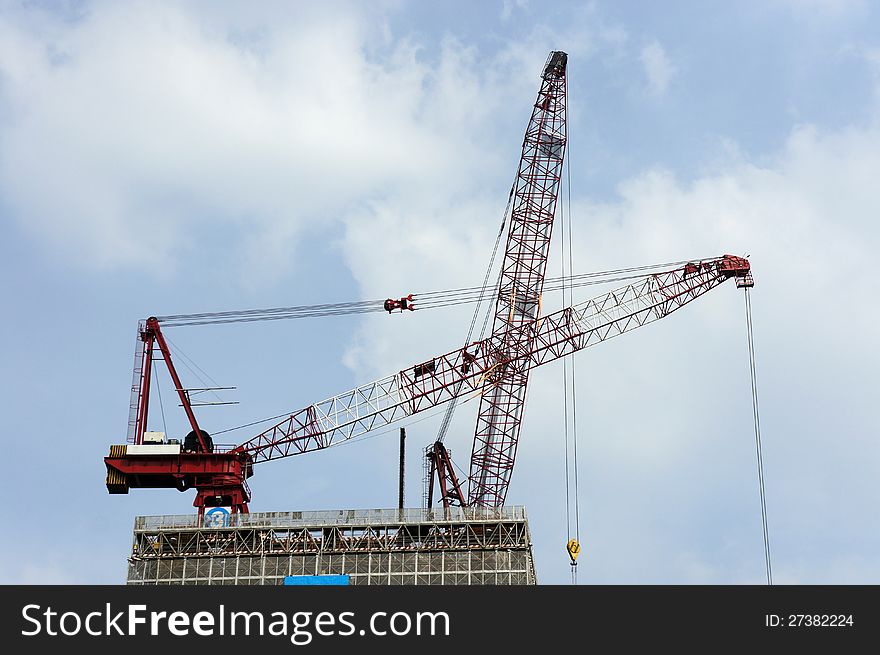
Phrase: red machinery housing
x=219 y=477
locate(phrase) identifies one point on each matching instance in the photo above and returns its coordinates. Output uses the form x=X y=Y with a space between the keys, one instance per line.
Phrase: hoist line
x=567 y=284
x=758 y=445
x=577 y=511
x=565 y=409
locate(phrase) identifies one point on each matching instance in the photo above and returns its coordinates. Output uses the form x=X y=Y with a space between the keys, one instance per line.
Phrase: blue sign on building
x=218 y=517
x=334 y=580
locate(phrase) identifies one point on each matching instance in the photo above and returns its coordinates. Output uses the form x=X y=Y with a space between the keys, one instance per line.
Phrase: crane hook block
x=574 y=549
x=404 y=303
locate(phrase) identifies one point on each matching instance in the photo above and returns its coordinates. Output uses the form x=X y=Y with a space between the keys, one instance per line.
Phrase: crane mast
x=522 y=282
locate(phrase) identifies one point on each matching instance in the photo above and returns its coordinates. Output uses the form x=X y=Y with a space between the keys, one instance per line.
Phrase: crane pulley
x=403 y=303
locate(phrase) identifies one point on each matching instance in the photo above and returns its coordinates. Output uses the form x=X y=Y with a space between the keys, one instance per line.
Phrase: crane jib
x=485 y=364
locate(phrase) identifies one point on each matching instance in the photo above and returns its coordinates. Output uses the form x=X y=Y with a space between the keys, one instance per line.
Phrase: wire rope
x=422 y=301
x=450 y=408
x=758 y=445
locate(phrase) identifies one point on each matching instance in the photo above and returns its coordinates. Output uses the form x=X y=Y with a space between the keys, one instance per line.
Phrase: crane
x=496 y=367
x=220 y=476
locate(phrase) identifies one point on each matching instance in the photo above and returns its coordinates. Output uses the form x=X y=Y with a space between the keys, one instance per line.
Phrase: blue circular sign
x=217 y=517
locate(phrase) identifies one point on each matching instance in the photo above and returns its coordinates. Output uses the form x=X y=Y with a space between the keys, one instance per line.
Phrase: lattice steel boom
x=522 y=282
x=490 y=361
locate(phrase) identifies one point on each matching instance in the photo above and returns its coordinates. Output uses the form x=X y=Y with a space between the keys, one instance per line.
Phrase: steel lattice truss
x=490 y=362
x=435 y=532
x=521 y=285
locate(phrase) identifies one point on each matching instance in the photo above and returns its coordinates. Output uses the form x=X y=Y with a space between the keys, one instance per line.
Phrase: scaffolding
x=442 y=546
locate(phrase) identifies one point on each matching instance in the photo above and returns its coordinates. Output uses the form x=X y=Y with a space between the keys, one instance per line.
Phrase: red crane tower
x=496 y=367
x=522 y=283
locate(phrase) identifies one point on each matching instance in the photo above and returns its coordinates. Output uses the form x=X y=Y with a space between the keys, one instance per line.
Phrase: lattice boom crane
x=497 y=368
x=220 y=478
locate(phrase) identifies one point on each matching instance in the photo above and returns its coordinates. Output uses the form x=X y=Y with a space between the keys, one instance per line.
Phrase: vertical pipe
x=402 y=461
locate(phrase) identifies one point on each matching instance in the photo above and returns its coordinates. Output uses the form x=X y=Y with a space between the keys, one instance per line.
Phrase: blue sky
x=161 y=158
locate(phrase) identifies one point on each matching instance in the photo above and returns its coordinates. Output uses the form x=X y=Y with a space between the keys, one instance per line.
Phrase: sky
x=176 y=157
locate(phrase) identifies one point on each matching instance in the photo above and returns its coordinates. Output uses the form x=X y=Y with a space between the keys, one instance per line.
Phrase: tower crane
x=220 y=476
x=496 y=367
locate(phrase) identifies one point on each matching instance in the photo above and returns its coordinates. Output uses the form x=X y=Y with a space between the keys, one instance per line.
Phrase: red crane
x=497 y=368
x=220 y=476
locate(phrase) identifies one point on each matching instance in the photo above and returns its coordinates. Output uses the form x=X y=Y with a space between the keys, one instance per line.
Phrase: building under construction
x=456 y=545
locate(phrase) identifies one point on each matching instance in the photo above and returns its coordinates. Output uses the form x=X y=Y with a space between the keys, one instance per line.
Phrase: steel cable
x=758 y=445
x=423 y=301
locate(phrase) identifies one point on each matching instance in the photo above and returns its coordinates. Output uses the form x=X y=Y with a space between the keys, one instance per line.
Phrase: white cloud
x=659 y=70
x=128 y=142
x=135 y=134
x=507 y=7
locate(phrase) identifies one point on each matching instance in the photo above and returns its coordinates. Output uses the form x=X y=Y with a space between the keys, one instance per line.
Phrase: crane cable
x=453 y=297
x=758 y=448
x=428 y=300
x=577 y=510
x=571 y=463
x=450 y=408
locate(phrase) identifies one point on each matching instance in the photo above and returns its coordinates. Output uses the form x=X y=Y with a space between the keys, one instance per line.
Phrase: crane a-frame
x=496 y=367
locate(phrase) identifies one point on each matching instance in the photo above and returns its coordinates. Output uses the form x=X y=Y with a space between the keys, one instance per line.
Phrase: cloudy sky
x=165 y=157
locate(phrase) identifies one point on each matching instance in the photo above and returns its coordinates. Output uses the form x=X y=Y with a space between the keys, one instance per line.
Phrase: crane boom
x=521 y=284
x=491 y=361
